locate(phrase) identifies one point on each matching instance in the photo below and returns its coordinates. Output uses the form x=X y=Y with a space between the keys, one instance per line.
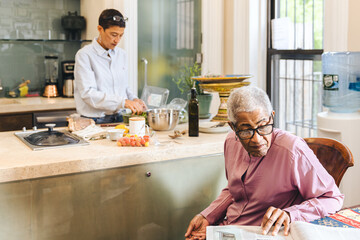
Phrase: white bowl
x=115 y=134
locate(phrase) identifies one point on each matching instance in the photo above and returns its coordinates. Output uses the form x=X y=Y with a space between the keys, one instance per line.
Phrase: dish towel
x=91 y=132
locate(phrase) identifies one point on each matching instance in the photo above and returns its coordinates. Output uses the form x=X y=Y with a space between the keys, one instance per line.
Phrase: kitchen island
x=102 y=191
x=19 y=162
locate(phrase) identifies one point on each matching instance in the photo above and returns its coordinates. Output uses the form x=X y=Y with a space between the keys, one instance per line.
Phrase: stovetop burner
x=48 y=139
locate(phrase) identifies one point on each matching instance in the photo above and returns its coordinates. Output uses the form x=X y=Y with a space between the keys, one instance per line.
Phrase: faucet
x=1 y=87
x=145 y=72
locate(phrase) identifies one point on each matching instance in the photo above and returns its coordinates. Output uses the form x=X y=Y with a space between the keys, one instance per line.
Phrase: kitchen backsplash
x=30 y=30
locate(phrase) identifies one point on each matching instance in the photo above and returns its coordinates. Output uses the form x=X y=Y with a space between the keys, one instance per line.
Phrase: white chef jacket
x=101 y=80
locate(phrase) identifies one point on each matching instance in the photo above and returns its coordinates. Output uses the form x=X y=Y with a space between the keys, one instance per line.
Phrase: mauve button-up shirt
x=289 y=177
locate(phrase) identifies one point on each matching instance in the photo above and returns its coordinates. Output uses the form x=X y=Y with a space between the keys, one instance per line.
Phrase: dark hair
x=106 y=19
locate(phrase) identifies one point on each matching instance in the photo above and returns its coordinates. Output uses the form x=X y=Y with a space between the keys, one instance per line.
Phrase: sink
x=8 y=101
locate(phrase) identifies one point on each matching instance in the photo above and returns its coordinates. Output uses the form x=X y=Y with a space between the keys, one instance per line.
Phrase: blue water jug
x=341 y=81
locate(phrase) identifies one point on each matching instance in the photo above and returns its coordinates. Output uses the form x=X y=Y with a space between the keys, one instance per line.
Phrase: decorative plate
x=222 y=87
x=221 y=78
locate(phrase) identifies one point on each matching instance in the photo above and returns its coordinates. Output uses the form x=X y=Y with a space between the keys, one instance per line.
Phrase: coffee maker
x=51 y=76
x=68 y=78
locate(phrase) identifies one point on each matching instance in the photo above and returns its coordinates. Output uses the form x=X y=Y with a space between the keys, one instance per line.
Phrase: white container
x=137 y=126
x=341 y=81
x=115 y=134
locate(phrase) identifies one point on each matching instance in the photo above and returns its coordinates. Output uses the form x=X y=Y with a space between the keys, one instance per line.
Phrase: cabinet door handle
x=148 y=174
x=46 y=119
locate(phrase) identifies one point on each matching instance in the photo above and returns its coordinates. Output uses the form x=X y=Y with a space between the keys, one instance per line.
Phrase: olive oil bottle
x=193 y=114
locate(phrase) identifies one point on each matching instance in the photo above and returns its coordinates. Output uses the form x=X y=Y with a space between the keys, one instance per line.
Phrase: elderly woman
x=274 y=178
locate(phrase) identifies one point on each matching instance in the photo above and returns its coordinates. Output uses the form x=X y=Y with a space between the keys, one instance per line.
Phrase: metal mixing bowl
x=163 y=119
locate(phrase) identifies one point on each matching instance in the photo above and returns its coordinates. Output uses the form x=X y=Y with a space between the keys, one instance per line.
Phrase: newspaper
x=298 y=231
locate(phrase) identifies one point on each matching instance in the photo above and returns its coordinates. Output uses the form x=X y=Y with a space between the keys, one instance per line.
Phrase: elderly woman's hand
x=197 y=228
x=277 y=217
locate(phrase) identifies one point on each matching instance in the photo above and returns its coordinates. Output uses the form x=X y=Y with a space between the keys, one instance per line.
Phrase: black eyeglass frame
x=256 y=129
x=117 y=18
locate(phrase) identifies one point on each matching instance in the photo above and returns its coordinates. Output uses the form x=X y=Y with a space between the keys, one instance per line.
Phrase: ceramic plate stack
x=212 y=127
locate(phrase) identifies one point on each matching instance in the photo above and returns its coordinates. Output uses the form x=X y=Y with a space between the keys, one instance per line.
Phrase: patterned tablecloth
x=347 y=218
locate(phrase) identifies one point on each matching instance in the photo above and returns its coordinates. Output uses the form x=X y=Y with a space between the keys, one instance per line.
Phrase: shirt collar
x=101 y=51
x=273 y=135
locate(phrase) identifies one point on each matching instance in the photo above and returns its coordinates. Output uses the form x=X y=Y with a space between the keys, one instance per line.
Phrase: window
x=294 y=63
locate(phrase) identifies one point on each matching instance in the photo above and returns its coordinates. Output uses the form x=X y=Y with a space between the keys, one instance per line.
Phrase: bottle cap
x=193 y=92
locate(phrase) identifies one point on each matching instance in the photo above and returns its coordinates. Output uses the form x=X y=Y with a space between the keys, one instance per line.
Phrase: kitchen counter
x=19 y=162
x=33 y=104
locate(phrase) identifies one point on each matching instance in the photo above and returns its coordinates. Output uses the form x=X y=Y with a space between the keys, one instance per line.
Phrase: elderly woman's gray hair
x=247 y=99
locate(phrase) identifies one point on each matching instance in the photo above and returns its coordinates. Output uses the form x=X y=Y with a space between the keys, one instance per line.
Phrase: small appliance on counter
x=68 y=78
x=51 y=76
x=73 y=24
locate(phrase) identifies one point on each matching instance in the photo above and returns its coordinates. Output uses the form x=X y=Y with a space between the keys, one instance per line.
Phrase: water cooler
x=341 y=95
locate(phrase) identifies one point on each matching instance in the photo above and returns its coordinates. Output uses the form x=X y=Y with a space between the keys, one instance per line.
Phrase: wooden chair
x=333 y=155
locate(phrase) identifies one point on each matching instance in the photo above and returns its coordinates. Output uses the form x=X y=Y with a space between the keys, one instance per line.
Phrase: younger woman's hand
x=141 y=102
x=134 y=106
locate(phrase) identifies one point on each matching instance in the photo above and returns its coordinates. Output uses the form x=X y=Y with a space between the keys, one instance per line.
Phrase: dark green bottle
x=193 y=114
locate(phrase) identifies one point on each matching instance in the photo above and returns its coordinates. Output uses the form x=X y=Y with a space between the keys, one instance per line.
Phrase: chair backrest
x=333 y=155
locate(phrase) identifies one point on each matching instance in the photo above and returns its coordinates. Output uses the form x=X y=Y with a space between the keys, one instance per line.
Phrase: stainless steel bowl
x=163 y=119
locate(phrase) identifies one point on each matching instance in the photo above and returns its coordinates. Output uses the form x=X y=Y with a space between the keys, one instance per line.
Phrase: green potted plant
x=184 y=82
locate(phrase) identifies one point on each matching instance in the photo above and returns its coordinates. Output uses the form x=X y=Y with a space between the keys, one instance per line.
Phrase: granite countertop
x=33 y=104
x=19 y=162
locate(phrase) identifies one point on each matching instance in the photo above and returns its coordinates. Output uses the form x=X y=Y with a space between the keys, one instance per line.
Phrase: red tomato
x=142 y=141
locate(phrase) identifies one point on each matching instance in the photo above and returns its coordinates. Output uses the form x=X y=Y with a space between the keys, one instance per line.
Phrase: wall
x=229 y=39
x=243 y=44
x=353 y=28
x=36 y=21
x=91 y=10
x=335 y=25
x=212 y=28
x=341 y=25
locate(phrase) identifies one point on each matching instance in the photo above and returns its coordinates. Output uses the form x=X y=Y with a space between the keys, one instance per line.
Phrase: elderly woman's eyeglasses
x=118 y=18
x=249 y=133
